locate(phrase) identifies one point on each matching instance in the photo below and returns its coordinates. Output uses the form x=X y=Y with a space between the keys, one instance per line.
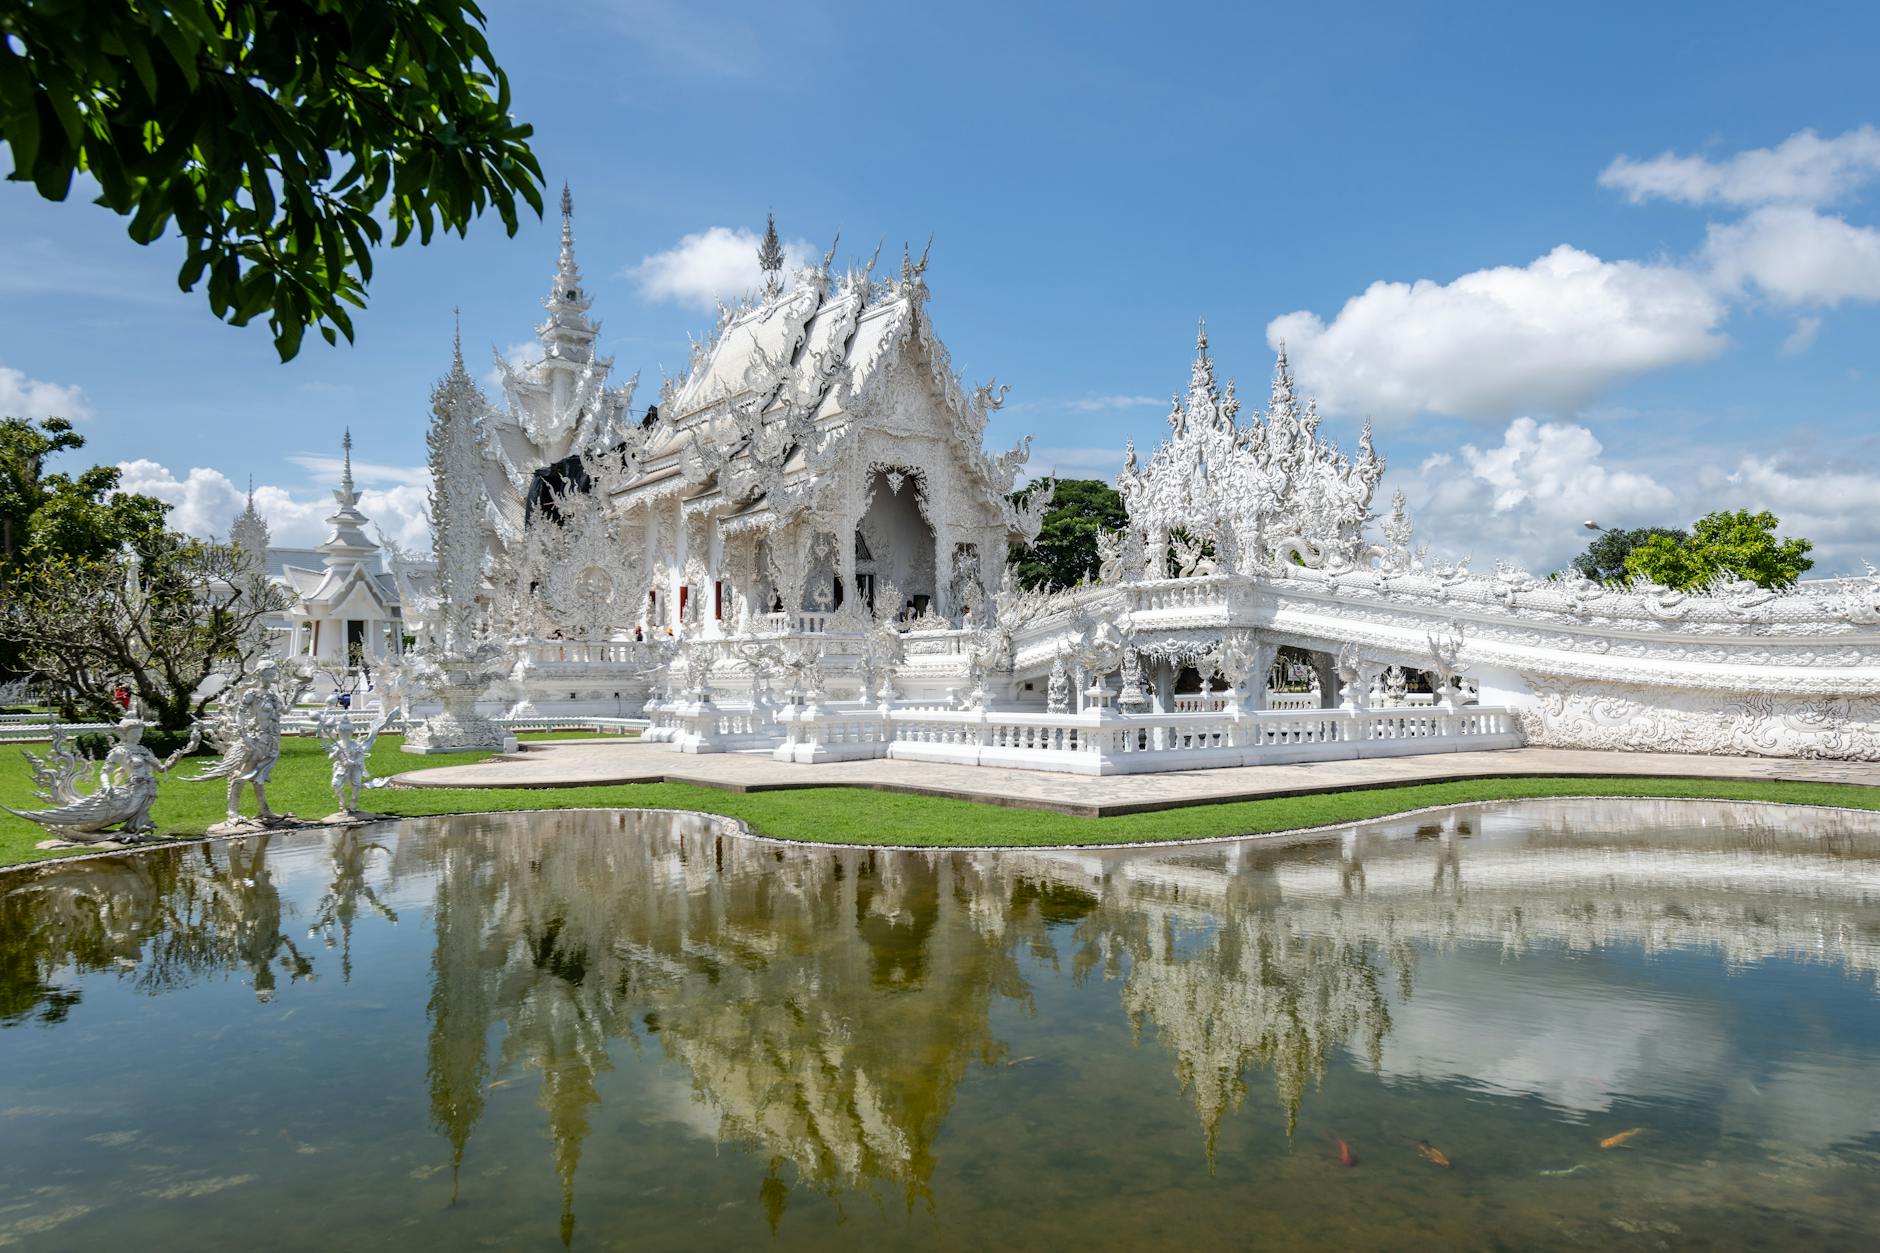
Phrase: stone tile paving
x=579 y=763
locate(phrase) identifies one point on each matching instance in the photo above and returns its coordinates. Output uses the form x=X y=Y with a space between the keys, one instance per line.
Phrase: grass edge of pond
x=854 y=815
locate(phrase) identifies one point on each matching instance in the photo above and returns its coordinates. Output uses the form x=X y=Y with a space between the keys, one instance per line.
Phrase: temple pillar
x=1264 y=654
x=1326 y=667
x=716 y=606
x=845 y=557
x=675 y=609
x=943 y=571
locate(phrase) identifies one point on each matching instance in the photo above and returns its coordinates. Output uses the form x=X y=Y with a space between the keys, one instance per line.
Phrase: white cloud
x=715 y=264
x=1797 y=256
x=22 y=397
x=1527 y=498
x=205 y=502
x=326 y=468
x=1111 y=404
x=1832 y=507
x=1550 y=335
x=518 y=355
x=1803 y=169
x=1802 y=338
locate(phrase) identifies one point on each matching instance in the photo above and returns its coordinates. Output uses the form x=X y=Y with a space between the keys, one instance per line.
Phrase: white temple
x=347 y=615
x=800 y=549
x=819 y=450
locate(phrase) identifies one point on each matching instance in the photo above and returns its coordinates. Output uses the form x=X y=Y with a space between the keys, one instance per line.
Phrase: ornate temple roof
x=765 y=402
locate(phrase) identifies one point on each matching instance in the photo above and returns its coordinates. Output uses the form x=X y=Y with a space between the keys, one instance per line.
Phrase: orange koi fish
x=1613 y=1142
x=1433 y=1154
x=1345 y=1156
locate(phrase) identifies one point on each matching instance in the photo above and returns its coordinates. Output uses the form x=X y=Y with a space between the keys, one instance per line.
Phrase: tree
x=278 y=135
x=1735 y=542
x=162 y=622
x=1604 y=558
x=44 y=515
x=1066 y=550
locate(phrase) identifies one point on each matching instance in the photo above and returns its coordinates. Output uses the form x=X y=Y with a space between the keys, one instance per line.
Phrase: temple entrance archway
x=898 y=540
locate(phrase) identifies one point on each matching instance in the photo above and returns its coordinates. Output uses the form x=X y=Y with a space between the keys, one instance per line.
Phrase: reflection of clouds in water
x=672 y=1101
x=1817 y=1101
x=1538 y=1028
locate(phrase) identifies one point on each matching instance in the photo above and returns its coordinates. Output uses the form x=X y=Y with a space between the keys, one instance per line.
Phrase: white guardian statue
x=247 y=729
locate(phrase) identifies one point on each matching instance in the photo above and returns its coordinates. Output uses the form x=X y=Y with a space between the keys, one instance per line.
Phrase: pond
x=1553 y=1024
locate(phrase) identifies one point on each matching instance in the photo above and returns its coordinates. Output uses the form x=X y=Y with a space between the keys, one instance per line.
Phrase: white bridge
x=1170 y=674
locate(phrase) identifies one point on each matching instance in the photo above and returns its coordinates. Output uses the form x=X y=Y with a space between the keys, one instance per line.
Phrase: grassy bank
x=859 y=816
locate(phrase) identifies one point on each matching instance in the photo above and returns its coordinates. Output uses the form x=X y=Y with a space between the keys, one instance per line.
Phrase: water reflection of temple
x=1251 y=956
x=825 y=1006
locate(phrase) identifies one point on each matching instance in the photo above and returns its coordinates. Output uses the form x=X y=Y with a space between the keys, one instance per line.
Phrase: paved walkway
x=580 y=763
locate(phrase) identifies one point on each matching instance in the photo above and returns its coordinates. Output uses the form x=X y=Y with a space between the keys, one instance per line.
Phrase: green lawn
x=860 y=816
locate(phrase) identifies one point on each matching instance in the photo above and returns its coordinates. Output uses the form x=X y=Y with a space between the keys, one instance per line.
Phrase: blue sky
x=1637 y=342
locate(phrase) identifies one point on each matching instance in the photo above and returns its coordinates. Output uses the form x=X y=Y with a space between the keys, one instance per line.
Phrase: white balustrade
x=1106 y=742
x=41 y=729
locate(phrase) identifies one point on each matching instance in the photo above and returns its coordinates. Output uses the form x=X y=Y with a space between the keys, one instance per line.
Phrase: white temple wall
x=1500 y=686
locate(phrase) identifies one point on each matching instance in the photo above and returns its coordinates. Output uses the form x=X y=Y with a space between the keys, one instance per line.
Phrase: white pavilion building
x=347 y=609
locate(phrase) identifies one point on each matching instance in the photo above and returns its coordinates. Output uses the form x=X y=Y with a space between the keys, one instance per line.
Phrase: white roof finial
x=770 y=257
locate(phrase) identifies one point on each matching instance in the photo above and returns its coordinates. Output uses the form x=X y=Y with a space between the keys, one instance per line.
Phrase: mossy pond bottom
x=1571 y=1024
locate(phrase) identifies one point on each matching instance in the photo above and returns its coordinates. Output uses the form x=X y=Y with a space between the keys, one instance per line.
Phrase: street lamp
x=1591 y=525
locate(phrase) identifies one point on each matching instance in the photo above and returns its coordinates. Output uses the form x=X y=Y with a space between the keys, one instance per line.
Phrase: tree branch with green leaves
x=278 y=137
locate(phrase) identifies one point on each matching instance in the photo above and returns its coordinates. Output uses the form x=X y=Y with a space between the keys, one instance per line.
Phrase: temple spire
x=1204 y=394
x=567 y=273
x=346 y=478
x=770 y=258
x=566 y=266
x=249 y=532
x=456 y=339
x=1283 y=402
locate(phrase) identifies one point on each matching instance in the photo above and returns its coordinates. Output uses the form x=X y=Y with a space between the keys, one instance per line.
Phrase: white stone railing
x=1106 y=742
x=606 y=726
x=784 y=623
x=40 y=728
x=1197 y=593
x=586 y=652
x=1191 y=703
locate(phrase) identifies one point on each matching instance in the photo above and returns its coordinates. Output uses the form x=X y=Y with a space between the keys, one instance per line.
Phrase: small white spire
x=770 y=258
x=567 y=226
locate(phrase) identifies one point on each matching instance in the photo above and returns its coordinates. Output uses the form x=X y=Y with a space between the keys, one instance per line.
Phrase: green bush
x=162 y=743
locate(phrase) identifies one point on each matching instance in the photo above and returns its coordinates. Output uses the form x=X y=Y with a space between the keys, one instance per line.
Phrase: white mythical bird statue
x=126 y=786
